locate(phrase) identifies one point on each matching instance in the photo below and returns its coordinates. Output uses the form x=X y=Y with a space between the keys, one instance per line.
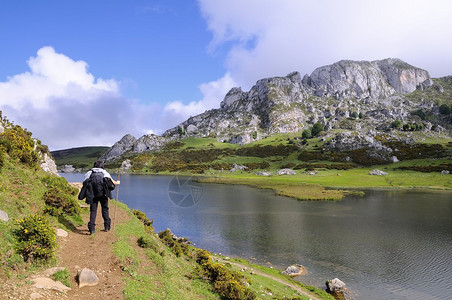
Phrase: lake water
x=385 y=245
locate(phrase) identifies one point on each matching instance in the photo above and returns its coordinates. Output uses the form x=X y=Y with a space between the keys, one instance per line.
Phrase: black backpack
x=98 y=184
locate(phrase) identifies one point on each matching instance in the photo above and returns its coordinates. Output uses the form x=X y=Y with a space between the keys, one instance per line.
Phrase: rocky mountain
x=373 y=92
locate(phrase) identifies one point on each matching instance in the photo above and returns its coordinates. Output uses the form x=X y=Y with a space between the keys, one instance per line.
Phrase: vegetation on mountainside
x=79 y=158
x=34 y=201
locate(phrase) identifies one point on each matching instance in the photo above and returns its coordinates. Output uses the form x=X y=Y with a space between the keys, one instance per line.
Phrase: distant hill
x=81 y=157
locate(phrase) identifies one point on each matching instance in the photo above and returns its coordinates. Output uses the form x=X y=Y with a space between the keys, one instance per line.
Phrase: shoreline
x=326 y=186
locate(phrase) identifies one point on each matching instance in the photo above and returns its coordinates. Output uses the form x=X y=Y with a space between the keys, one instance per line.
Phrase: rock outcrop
x=330 y=95
x=128 y=143
x=373 y=92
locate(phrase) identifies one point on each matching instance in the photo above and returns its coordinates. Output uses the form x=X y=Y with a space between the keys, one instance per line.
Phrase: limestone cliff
x=376 y=91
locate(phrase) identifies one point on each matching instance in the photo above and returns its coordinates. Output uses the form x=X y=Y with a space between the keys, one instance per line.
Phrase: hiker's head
x=99 y=164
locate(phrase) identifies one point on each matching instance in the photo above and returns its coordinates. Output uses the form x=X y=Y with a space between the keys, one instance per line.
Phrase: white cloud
x=66 y=106
x=275 y=37
x=213 y=92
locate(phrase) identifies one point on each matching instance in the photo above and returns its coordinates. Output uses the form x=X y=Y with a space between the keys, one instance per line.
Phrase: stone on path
x=61 y=232
x=49 y=284
x=87 y=277
x=51 y=271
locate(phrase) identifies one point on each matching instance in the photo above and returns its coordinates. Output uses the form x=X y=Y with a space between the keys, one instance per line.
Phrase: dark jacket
x=88 y=193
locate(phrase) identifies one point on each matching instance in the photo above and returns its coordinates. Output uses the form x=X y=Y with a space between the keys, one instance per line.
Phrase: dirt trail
x=77 y=251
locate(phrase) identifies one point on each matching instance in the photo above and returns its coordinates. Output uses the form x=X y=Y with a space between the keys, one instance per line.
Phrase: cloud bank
x=64 y=105
x=267 y=38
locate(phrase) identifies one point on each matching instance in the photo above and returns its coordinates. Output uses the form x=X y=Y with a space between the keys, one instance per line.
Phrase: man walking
x=98 y=185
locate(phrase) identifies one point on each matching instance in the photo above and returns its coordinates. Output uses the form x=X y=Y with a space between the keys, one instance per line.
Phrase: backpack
x=98 y=184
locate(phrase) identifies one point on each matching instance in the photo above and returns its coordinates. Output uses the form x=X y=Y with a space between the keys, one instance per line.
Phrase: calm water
x=385 y=245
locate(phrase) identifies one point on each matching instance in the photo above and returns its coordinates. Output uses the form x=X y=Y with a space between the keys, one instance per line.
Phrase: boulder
x=49 y=284
x=377 y=172
x=286 y=172
x=61 y=233
x=294 y=270
x=3 y=216
x=48 y=164
x=122 y=146
x=126 y=165
x=337 y=288
x=263 y=173
x=444 y=172
x=86 y=277
x=236 y=167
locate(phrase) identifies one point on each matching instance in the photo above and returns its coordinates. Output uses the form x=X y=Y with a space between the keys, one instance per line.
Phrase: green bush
x=17 y=142
x=317 y=128
x=61 y=196
x=147 y=242
x=142 y=217
x=444 y=109
x=228 y=284
x=36 y=239
x=306 y=134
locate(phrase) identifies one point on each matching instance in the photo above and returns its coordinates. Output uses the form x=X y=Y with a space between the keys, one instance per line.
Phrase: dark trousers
x=93 y=213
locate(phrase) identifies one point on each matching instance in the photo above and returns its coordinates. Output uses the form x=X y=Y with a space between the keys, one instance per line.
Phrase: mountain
x=359 y=96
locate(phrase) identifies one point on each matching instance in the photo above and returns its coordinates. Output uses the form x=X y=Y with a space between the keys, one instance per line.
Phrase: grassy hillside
x=317 y=168
x=82 y=157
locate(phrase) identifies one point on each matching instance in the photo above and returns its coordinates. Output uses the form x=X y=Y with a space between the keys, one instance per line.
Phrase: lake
x=384 y=245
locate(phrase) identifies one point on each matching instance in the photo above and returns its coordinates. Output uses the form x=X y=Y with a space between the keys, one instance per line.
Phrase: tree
x=396 y=124
x=317 y=129
x=444 y=109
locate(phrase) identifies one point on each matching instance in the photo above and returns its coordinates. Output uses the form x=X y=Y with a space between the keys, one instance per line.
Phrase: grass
x=157 y=273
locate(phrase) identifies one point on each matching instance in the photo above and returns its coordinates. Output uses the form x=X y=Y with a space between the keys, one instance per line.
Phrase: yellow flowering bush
x=36 y=238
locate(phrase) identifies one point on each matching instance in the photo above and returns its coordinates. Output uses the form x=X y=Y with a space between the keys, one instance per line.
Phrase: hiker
x=97 y=187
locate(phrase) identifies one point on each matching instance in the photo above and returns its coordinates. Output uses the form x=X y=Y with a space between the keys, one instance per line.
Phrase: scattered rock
x=394 y=159
x=126 y=165
x=86 y=277
x=36 y=296
x=377 y=172
x=294 y=270
x=4 y=216
x=236 y=167
x=61 y=232
x=263 y=173
x=286 y=172
x=337 y=288
x=67 y=169
x=445 y=172
x=49 y=284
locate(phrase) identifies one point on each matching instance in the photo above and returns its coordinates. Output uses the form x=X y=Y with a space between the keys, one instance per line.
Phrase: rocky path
x=76 y=251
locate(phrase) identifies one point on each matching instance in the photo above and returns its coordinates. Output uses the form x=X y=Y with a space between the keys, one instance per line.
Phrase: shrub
x=18 y=143
x=317 y=129
x=228 y=284
x=36 y=238
x=396 y=124
x=61 y=196
x=444 y=109
x=178 y=246
x=306 y=134
x=142 y=217
x=147 y=242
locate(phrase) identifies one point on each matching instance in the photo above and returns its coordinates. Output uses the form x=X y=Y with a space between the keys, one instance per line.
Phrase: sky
x=86 y=72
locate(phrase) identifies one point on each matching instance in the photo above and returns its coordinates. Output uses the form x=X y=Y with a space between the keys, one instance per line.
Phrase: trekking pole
x=117 y=199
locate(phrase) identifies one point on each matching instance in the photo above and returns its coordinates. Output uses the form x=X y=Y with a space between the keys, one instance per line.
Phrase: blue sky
x=79 y=73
